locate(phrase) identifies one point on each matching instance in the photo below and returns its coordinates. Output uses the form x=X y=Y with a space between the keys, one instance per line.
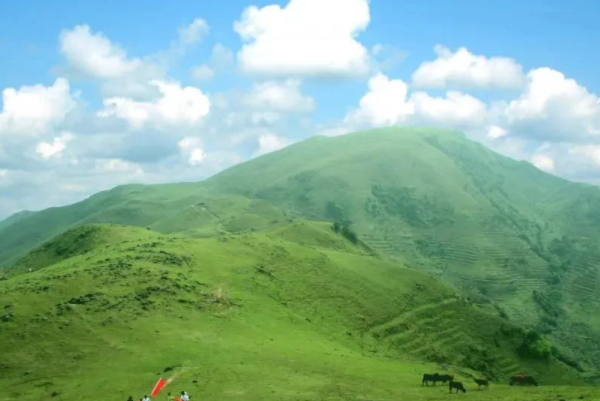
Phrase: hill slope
x=251 y=316
x=15 y=218
x=501 y=231
x=498 y=229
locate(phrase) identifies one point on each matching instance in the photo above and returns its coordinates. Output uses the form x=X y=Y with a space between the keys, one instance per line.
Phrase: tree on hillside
x=343 y=228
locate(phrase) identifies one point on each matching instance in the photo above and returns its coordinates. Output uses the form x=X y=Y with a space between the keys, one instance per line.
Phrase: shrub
x=534 y=346
x=344 y=229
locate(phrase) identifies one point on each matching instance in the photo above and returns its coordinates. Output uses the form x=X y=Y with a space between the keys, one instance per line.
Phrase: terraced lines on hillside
x=381 y=244
x=583 y=279
x=452 y=252
x=508 y=367
x=394 y=325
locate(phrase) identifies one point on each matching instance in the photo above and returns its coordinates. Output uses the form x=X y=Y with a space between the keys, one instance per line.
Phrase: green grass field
x=241 y=283
x=249 y=316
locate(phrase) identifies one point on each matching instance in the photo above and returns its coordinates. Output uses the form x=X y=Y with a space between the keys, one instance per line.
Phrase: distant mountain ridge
x=15 y=218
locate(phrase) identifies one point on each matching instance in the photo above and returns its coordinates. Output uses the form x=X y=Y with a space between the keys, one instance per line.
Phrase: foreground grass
x=293 y=314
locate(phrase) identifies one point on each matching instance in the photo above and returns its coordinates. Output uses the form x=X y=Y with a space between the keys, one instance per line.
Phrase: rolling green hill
x=295 y=312
x=15 y=218
x=515 y=240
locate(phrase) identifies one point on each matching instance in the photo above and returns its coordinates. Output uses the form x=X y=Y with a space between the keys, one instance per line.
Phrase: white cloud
x=591 y=152
x=270 y=143
x=280 y=97
x=35 y=109
x=455 y=110
x=196 y=157
x=194 y=32
x=543 y=162
x=118 y=166
x=189 y=143
x=463 y=68
x=178 y=106
x=94 y=54
x=387 y=56
x=52 y=149
x=191 y=148
x=202 y=73
x=555 y=108
x=305 y=38
x=495 y=132
x=385 y=103
x=221 y=57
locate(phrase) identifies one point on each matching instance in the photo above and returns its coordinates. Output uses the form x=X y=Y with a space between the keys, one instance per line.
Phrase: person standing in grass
x=171 y=398
x=184 y=396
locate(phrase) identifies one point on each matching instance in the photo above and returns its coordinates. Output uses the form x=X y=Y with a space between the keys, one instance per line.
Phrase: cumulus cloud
x=592 y=152
x=279 y=97
x=465 y=69
x=543 y=162
x=118 y=166
x=32 y=110
x=48 y=150
x=191 y=148
x=496 y=132
x=177 y=107
x=194 y=32
x=455 y=110
x=202 y=73
x=305 y=38
x=387 y=56
x=221 y=59
x=93 y=54
x=387 y=102
x=554 y=107
x=270 y=143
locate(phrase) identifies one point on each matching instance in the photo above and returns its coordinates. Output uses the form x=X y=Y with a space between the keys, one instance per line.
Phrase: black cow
x=457 y=385
x=430 y=378
x=445 y=378
x=482 y=382
x=522 y=379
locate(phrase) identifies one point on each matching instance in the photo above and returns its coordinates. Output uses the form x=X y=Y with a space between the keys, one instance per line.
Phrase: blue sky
x=525 y=83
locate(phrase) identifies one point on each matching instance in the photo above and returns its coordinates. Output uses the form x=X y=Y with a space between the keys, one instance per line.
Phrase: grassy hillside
x=513 y=239
x=294 y=313
x=15 y=218
x=501 y=231
x=182 y=208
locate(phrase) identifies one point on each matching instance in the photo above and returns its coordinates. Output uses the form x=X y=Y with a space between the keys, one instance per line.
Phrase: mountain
x=511 y=238
x=292 y=312
x=14 y=218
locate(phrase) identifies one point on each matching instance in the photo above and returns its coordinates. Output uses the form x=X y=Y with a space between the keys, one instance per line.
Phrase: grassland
x=517 y=243
x=295 y=313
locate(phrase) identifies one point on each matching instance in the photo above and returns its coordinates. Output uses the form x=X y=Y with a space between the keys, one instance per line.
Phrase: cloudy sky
x=104 y=92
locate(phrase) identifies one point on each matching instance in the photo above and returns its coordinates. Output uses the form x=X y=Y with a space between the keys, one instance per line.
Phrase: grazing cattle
x=482 y=382
x=445 y=378
x=430 y=378
x=522 y=379
x=457 y=385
